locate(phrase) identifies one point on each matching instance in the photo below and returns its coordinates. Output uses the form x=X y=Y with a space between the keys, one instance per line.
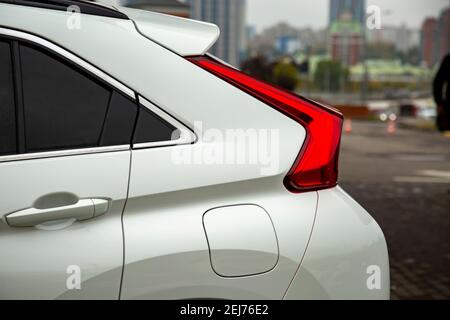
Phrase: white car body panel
x=196 y=89
x=347 y=247
x=164 y=261
x=183 y=36
x=241 y=240
x=34 y=261
x=164 y=241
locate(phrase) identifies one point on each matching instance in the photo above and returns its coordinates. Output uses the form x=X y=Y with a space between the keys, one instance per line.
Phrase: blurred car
x=423 y=108
x=387 y=115
x=384 y=110
x=427 y=113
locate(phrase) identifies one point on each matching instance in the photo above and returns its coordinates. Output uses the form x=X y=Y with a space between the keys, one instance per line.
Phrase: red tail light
x=316 y=166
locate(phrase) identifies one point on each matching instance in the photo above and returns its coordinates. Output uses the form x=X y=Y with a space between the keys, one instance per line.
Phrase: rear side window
x=7 y=107
x=152 y=128
x=119 y=121
x=63 y=108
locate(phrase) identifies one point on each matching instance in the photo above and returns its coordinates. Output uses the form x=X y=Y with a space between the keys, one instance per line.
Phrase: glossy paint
x=241 y=240
x=183 y=36
x=34 y=261
x=346 y=251
x=152 y=241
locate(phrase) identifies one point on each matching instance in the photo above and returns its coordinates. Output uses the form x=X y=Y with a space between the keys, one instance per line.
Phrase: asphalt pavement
x=403 y=180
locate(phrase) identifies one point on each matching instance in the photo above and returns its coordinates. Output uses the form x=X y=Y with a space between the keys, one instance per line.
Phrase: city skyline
x=353 y=9
x=229 y=16
x=299 y=13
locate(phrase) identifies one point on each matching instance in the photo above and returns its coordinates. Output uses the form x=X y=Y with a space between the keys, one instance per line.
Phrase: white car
x=133 y=165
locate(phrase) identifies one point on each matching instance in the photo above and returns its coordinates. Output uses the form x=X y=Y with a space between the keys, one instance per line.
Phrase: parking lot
x=403 y=180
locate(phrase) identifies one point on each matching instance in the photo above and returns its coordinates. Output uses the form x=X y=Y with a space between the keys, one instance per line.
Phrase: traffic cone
x=391 y=127
x=348 y=125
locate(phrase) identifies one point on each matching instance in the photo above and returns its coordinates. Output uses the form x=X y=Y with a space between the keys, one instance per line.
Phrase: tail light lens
x=316 y=166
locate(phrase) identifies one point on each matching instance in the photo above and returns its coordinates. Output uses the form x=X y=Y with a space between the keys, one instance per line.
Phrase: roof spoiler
x=183 y=36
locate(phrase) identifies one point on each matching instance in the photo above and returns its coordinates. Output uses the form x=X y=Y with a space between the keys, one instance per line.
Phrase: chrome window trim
x=62 y=153
x=83 y=65
x=186 y=135
x=70 y=56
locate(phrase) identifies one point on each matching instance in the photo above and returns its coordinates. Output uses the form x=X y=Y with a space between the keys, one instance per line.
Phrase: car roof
x=182 y=36
x=86 y=7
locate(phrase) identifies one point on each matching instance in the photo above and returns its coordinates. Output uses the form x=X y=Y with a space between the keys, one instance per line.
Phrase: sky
x=314 y=13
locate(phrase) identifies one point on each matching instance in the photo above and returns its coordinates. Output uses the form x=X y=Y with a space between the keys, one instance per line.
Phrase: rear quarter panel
x=346 y=254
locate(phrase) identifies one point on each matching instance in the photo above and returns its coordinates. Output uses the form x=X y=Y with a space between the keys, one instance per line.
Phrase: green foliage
x=380 y=50
x=282 y=73
x=258 y=67
x=330 y=75
x=411 y=56
x=387 y=51
x=285 y=74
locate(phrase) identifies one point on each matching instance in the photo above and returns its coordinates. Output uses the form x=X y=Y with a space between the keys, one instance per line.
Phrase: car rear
x=315 y=241
x=346 y=256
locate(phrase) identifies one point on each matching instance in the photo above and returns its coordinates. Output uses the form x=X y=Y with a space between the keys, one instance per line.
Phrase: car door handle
x=82 y=210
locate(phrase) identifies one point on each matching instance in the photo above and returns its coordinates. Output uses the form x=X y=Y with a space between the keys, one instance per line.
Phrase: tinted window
x=7 y=108
x=151 y=128
x=63 y=108
x=120 y=120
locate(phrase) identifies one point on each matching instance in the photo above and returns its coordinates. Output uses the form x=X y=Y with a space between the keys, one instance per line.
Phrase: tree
x=330 y=75
x=411 y=56
x=258 y=67
x=381 y=50
x=286 y=75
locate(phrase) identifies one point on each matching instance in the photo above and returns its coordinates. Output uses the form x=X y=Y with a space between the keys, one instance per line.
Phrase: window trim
x=13 y=83
x=187 y=136
x=63 y=153
x=70 y=57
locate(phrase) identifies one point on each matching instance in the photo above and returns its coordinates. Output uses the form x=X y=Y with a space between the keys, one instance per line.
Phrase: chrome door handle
x=82 y=210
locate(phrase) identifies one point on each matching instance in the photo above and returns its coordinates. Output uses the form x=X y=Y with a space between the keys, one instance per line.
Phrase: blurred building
x=402 y=37
x=435 y=38
x=287 y=45
x=444 y=33
x=345 y=29
x=282 y=39
x=250 y=33
x=356 y=8
x=429 y=45
x=391 y=70
x=229 y=15
x=346 y=42
x=172 y=7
